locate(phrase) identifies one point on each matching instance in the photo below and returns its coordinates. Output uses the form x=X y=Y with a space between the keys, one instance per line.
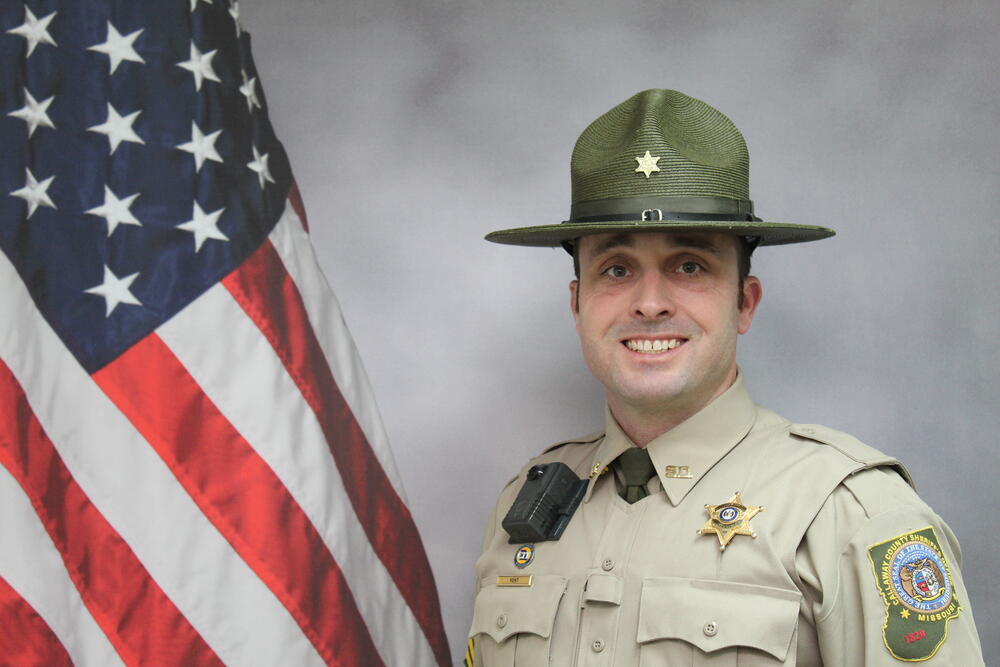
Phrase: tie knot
x=636 y=466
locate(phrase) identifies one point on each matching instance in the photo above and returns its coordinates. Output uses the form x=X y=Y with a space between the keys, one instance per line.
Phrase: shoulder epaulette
x=849 y=446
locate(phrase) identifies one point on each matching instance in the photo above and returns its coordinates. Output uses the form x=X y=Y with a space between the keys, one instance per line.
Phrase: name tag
x=514 y=580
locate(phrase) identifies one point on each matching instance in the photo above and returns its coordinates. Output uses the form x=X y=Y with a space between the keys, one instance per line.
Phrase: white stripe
x=238 y=369
x=292 y=242
x=31 y=564
x=130 y=485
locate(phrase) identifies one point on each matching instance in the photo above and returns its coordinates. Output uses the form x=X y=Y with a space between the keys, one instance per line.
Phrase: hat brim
x=768 y=233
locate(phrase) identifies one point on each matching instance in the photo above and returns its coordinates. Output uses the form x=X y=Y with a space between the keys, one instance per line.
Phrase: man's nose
x=653 y=296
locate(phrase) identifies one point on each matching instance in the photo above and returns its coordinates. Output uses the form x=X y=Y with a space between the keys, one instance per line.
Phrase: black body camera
x=545 y=504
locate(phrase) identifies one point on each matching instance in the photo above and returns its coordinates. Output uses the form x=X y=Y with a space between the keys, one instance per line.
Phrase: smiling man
x=699 y=528
x=658 y=314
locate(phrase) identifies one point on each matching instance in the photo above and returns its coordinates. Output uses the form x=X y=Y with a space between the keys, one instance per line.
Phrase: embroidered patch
x=525 y=554
x=915 y=582
x=470 y=654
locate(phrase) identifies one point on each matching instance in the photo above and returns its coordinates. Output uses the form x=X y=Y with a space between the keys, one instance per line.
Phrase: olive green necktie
x=636 y=469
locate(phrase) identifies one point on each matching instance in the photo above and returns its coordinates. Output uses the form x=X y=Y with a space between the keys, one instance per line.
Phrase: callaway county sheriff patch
x=915 y=582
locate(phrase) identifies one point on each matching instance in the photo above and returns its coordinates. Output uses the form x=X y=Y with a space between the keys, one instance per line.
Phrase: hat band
x=652 y=209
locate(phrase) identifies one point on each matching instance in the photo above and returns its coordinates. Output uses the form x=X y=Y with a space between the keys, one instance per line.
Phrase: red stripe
x=240 y=495
x=25 y=638
x=295 y=198
x=270 y=298
x=128 y=605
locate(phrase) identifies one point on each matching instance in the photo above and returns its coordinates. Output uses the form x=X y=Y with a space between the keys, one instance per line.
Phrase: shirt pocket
x=514 y=623
x=710 y=623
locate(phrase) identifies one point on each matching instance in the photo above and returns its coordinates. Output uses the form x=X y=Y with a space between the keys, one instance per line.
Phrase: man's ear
x=574 y=298
x=753 y=292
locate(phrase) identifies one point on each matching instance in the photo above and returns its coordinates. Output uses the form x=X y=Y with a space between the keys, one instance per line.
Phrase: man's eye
x=690 y=268
x=616 y=271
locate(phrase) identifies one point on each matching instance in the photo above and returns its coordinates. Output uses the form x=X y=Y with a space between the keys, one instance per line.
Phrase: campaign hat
x=661 y=161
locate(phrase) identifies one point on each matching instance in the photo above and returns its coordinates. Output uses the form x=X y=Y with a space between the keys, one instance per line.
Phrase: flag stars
x=118 y=128
x=118 y=48
x=115 y=291
x=204 y=226
x=202 y=146
x=116 y=211
x=34 y=113
x=249 y=90
x=34 y=30
x=259 y=165
x=35 y=193
x=200 y=65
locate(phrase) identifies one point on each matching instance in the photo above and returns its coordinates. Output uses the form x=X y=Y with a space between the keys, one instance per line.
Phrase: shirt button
x=711 y=629
x=501 y=620
x=608 y=565
x=598 y=645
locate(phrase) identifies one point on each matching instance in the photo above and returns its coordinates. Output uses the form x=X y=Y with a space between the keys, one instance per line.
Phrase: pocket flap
x=501 y=611
x=718 y=614
x=605 y=588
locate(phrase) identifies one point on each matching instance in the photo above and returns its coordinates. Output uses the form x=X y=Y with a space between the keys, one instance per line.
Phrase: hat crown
x=701 y=152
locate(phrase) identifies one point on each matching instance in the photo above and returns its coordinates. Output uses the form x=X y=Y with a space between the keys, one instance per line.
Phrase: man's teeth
x=652 y=345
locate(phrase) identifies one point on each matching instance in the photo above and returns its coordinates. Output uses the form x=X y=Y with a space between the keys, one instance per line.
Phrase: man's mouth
x=652 y=346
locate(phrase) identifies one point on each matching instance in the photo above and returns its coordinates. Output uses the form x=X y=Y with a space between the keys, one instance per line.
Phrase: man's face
x=657 y=316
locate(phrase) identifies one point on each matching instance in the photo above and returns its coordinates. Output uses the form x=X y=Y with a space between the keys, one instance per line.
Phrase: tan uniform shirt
x=848 y=565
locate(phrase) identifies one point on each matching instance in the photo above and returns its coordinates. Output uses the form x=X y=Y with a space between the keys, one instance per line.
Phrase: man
x=707 y=530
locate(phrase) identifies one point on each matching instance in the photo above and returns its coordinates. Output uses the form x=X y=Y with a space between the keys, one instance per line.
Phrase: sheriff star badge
x=729 y=519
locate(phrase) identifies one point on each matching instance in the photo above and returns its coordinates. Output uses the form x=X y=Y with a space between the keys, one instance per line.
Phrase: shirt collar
x=697 y=443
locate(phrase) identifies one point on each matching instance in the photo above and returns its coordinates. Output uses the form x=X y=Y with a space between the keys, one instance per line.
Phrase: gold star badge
x=729 y=519
x=647 y=164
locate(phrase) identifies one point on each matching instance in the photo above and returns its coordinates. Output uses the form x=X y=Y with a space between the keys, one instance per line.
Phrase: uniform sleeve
x=882 y=574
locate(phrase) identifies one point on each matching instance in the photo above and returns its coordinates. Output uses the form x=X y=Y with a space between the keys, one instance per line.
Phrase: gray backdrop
x=416 y=127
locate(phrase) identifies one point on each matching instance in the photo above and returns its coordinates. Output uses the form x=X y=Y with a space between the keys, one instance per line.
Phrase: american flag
x=192 y=467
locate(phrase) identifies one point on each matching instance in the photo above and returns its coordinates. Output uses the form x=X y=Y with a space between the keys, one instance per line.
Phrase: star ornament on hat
x=647 y=164
x=693 y=174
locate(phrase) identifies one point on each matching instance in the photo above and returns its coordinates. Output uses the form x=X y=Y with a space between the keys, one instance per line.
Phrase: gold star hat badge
x=647 y=164
x=729 y=519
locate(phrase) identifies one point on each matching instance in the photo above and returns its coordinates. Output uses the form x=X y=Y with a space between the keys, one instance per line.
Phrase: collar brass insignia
x=729 y=519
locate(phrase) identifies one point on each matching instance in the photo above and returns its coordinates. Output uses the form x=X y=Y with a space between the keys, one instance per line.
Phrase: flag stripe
x=25 y=638
x=295 y=199
x=293 y=245
x=130 y=485
x=241 y=495
x=34 y=568
x=239 y=372
x=133 y=611
x=270 y=298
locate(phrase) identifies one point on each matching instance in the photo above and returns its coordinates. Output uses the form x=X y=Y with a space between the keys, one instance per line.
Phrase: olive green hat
x=661 y=161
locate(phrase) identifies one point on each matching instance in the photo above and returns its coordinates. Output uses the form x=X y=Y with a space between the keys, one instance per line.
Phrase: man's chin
x=652 y=398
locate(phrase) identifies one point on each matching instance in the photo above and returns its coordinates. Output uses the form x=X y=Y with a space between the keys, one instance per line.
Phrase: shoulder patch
x=849 y=446
x=914 y=580
x=585 y=440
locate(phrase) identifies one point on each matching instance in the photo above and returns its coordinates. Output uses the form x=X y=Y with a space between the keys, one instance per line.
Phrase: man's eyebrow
x=616 y=241
x=692 y=241
x=697 y=242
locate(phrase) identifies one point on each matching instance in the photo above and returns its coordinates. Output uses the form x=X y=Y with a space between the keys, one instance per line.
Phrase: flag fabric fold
x=192 y=467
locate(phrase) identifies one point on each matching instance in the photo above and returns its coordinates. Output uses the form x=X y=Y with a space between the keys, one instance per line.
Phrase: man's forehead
x=597 y=244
